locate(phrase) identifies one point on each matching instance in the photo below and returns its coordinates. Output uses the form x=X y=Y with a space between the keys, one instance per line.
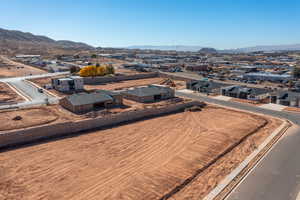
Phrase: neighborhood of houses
x=80 y=101
x=135 y=107
x=261 y=77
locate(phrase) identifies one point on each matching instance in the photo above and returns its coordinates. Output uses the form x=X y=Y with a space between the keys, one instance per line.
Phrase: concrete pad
x=223 y=98
x=272 y=106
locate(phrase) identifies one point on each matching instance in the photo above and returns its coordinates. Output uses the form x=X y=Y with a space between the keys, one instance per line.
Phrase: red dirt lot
x=124 y=84
x=142 y=160
x=292 y=109
x=9 y=68
x=34 y=117
x=7 y=95
x=250 y=102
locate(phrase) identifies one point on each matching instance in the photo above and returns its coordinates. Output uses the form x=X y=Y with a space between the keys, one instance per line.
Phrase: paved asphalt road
x=30 y=90
x=277 y=176
x=10 y=79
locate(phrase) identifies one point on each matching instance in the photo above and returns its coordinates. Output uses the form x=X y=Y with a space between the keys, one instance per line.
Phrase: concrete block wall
x=20 y=136
x=105 y=79
x=175 y=77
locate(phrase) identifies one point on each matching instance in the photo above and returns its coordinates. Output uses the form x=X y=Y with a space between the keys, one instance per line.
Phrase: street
x=29 y=90
x=277 y=176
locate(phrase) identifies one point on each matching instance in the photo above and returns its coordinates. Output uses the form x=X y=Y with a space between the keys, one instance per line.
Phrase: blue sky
x=215 y=23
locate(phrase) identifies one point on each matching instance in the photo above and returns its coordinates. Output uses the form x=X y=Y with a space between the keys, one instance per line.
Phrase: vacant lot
x=33 y=117
x=7 y=95
x=142 y=160
x=9 y=68
x=125 y=84
x=292 y=109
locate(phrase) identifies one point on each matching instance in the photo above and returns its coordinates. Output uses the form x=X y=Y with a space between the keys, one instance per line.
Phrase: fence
x=107 y=79
x=26 y=135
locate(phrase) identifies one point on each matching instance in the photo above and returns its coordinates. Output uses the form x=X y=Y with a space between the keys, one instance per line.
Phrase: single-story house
x=197 y=67
x=242 y=92
x=205 y=86
x=67 y=84
x=150 y=93
x=264 y=76
x=286 y=98
x=86 y=102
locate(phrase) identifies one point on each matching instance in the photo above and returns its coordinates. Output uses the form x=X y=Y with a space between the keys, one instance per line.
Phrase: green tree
x=74 y=69
x=110 y=69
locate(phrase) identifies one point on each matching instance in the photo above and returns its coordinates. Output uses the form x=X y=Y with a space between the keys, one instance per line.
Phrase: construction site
x=178 y=156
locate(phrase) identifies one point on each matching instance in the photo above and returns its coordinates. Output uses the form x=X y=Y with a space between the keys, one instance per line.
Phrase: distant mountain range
x=291 y=47
x=18 y=41
x=167 y=47
x=12 y=41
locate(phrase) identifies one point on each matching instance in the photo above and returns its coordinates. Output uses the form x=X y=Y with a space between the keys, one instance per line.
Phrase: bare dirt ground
x=7 y=95
x=34 y=117
x=124 y=84
x=143 y=160
x=9 y=68
x=250 y=102
x=292 y=109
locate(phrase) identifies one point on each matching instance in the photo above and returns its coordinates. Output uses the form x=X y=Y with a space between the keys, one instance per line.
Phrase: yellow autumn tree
x=96 y=70
x=86 y=71
x=101 y=70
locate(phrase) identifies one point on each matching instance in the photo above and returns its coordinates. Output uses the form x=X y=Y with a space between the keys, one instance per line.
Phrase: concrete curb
x=19 y=92
x=237 y=171
x=242 y=166
x=37 y=86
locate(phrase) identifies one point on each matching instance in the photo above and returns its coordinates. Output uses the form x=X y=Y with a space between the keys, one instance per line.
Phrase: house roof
x=108 y=92
x=147 y=91
x=207 y=84
x=288 y=95
x=88 y=98
x=249 y=90
x=266 y=74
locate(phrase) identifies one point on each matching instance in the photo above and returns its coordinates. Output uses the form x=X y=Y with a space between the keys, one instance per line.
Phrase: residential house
x=150 y=93
x=205 y=86
x=242 y=92
x=286 y=98
x=68 y=84
x=264 y=76
x=86 y=102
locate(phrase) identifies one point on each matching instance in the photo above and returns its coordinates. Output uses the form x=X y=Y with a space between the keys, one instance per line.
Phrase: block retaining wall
x=175 y=77
x=99 y=80
x=14 y=137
